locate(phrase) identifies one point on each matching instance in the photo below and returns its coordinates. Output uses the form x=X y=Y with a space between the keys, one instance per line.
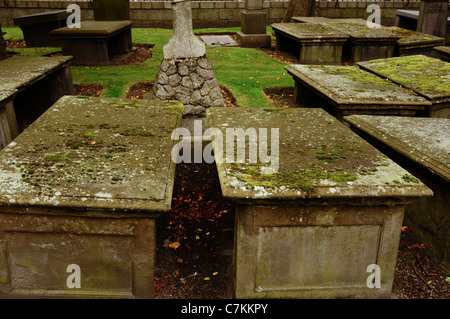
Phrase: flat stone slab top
x=219 y=40
x=350 y=87
x=426 y=141
x=310 y=19
x=94 y=153
x=319 y=159
x=428 y=77
x=357 y=29
x=308 y=31
x=444 y=52
x=93 y=29
x=18 y=73
x=413 y=38
x=41 y=17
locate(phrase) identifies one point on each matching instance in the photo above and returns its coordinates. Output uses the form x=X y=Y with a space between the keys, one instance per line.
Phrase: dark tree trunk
x=300 y=8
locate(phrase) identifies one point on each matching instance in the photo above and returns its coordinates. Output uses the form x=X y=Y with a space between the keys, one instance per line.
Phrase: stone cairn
x=186 y=73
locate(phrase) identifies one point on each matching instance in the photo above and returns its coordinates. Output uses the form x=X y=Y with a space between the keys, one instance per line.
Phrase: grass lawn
x=244 y=71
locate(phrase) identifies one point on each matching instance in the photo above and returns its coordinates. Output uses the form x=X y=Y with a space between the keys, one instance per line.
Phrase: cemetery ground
x=195 y=239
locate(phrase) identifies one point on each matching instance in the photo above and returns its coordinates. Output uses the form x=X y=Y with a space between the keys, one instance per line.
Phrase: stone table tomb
x=421 y=145
x=426 y=76
x=443 y=52
x=412 y=42
x=345 y=90
x=95 y=42
x=29 y=86
x=318 y=224
x=313 y=43
x=36 y=27
x=83 y=186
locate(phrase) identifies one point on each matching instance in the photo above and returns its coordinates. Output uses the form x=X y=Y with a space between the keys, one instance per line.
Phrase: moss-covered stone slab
x=443 y=52
x=365 y=43
x=344 y=90
x=316 y=20
x=19 y=73
x=83 y=185
x=428 y=77
x=93 y=29
x=314 y=43
x=311 y=228
x=422 y=146
x=412 y=42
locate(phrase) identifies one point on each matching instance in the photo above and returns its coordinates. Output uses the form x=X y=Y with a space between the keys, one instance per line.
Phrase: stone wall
x=149 y=14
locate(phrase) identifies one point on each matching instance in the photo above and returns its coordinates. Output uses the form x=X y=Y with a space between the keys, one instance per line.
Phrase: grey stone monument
x=186 y=73
x=3 y=54
x=433 y=17
x=111 y=10
x=253 y=25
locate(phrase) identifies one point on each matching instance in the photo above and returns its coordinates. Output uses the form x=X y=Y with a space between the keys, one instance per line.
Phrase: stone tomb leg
x=88 y=195
x=331 y=210
x=8 y=122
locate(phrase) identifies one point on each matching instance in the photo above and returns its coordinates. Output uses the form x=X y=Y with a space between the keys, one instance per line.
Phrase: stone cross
x=183 y=44
x=185 y=73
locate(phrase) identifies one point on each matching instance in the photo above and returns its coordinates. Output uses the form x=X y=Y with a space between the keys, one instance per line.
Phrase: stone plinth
x=365 y=43
x=420 y=145
x=426 y=76
x=83 y=186
x=36 y=28
x=111 y=10
x=95 y=42
x=314 y=43
x=412 y=42
x=345 y=90
x=443 y=52
x=28 y=88
x=253 y=25
x=312 y=228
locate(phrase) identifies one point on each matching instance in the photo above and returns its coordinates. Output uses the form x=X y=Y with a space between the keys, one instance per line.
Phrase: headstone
x=186 y=73
x=3 y=54
x=312 y=228
x=426 y=76
x=420 y=145
x=433 y=17
x=253 y=25
x=83 y=186
x=111 y=10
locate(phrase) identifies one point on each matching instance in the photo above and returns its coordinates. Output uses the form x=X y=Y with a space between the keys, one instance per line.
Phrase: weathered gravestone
x=420 y=145
x=253 y=25
x=313 y=43
x=345 y=90
x=314 y=227
x=186 y=73
x=433 y=17
x=426 y=76
x=83 y=186
x=36 y=27
x=3 y=54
